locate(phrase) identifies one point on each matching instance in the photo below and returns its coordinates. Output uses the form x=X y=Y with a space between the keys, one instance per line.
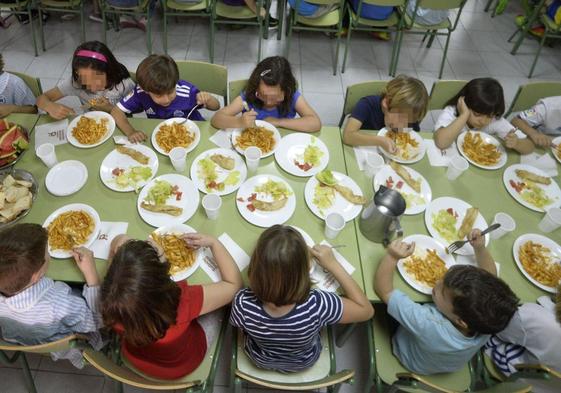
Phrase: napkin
x=107 y=233
x=541 y=161
x=325 y=280
x=361 y=153
x=438 y=157
x=470 y=260
x=120 y=140
x=222 y=138
x=54 y=133
x=209 y=266
x=240 y=257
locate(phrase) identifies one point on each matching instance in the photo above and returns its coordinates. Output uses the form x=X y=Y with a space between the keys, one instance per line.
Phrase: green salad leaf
x=159 y=192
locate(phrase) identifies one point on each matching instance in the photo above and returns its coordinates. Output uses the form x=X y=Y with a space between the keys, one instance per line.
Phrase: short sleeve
x=447 y=116
x=131 y=103
x=330 y=307
x=72 y=310
x=67 y=88
x=500 y=127
x=236 y=314
x=361 y=110
x=412 y=316
x=514 y=332
x=534 y=116
x=23 y=94
x=195 y=297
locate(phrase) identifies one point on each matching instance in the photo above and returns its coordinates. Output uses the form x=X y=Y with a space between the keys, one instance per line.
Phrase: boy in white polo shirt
x=15 y=95
x=542 y=122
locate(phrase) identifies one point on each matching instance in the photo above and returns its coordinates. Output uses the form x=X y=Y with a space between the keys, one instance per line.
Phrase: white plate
x=555 y=250
x=552 y=190
x=97 y=115
x=66 y=178
x=181 y=229
x=459 y=207
x=118 y=160
x=422 y=244
x=222 y=173
x=189 y=201
x=191 y=126
x=556 y=142
x=340 y=205
x=74 y=206
x=418 y=153
x=387 y=171
x=291 y=149
x=263 y=218
x=259 y=123
x=487 y=139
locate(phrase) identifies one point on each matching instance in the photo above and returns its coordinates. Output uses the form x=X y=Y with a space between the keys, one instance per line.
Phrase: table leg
x=344 y=334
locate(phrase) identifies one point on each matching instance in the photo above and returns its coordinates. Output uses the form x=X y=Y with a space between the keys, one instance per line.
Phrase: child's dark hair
x=138 y=294
x=97 y=56
x=482 y=95
x=272 y=71
x=279 y=267
x=22 y=254
x=483 y=301
x=157 y=74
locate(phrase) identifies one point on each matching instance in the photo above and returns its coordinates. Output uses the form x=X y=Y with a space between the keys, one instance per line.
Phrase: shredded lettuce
x=535 y=195
x=159 y=193
x=445 y=225
x=277 y=190
x=326 y=177
x=207 y=170
x=312 y=155
x=132 y=176
x=323 y=197
x=232 y=179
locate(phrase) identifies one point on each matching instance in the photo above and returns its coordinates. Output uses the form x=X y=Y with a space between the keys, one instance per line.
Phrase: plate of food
x=481 y=149
x=168 y=199
x=556 y=148
x=128 y=168
x=18 y=190
x=90 y=129
x=183 y=260
x=539 y=259
x=410 y=146
x=301 y=154
x=73 y=225
x=66 y=178
x=531 y=187
x=449 y=219
x=412 y=186
x=219 y=171
x=264 y=135
x=330 y=191
x=427 y=265
x=266 y=200
x=175 y=132
x=14 y=141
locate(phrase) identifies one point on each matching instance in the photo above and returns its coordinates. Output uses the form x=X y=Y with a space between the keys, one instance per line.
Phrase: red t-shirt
x=183 y=347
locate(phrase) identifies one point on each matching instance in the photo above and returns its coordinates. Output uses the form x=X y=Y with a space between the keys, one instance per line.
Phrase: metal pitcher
x=379 y=221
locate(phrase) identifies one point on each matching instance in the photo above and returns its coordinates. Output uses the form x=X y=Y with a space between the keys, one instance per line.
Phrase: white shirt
x=14 y=91
x=545 y=116
x=498 y=127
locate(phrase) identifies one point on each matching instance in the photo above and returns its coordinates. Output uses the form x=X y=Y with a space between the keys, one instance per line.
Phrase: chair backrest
x=442 y=91
x=206 y=76
x=54 y=346
x=385 y=3
x=235 y=88
x=528 y=94
x=33 y=83
x=441 y=4
x=357 y=91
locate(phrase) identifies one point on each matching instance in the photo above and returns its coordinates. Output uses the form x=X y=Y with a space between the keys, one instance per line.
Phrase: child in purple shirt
x=162 y=95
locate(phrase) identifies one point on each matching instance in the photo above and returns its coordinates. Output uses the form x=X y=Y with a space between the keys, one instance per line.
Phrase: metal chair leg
x=104 y=33
x=165 y=38
x=431 y=39
x=348 y=43
x=513 y=35
x=288 y=36
x=211 y=41
x=82 y=23
x=280 y=17
x=336 y=59
x=395 y=53
x=41 y=32
x=542 y=41
x=444 y=54
x=149 y=28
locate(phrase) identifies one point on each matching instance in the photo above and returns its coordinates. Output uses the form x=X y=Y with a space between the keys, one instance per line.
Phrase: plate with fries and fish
x=264 y=135
x=410 y=146
x=539 y=259
x=175 y=132
x=218 y=171
x=481 y=149
x=90 y=129
x=531 y=187
x=128 y=168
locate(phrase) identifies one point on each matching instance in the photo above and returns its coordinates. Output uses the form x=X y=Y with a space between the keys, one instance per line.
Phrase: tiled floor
x=478 y=48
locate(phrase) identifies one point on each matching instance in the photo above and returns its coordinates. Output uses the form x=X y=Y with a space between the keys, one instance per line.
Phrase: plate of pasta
x=427 y=265
x=90 y=129
x=482 y=150
x=183 y=260
x=539 y=259
x=410 y=146
x=264 y=135
x=175 y=132
x=556 y=148
x=531 y=187
x=73 y=225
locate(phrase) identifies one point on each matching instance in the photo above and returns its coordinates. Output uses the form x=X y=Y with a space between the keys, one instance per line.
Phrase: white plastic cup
x=456 y=167
x=252 y=157
x=507 y=225
x=374 y=162
x=178 y=157
x=334 y=223
x=46 y=152
x=551 y=221
x=212 y=203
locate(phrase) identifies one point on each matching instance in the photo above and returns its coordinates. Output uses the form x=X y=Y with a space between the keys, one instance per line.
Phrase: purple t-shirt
x=186 y=99
x=263 y=113
x=234 y=2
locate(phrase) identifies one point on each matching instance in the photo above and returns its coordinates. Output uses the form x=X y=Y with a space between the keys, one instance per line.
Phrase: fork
x=452 y=248
x=190 y=112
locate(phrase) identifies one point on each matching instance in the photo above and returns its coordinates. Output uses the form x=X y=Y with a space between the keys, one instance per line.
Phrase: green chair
x=206 y=76
x=528 y=94
x=321 y=375
x=442 y=92
x=393 y=23
x=33 y=83
x=235 y=88
x=444 y=28
x=22 y=7
x=356 y=92
x=142 y=9
x=174 y=8
x=527 y=372
x=331 y=22
x=133 y=76
x=61 y=6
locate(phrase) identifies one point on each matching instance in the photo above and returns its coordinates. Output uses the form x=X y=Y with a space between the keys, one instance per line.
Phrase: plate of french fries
x=410 y=146
x=481 y=149
x=556 y=148
x=175 y=132
x=183 y=260
x=427 y=265
x=90 y=129
x=128 y=167
x=264 y=135
x=539 y=259
x=532 y=187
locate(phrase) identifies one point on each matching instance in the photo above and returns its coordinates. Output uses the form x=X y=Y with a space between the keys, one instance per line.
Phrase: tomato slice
x=399 y=184
x=241 y=199
x=252 y=197
x=178 y=196
x=251 y=208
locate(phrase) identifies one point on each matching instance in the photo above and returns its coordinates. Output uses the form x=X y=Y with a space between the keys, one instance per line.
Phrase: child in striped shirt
x=280 y=314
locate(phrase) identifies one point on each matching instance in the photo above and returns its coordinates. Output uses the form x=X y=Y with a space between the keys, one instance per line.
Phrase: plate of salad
x=168 y=199
x=218 y=171
x=302 y=154
x=532 y=187
x=128 y=168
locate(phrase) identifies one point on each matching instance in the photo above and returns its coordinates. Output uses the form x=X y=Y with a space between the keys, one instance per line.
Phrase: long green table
x=117 y=206
x=481 y=188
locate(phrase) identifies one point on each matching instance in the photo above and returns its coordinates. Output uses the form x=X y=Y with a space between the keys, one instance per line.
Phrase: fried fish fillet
x=134 y=154
x=166 y=209
x=404 y=174
x=527 y=175
x=467 y=223
x=223 y=161
x=269 y=206
x=348 y=194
